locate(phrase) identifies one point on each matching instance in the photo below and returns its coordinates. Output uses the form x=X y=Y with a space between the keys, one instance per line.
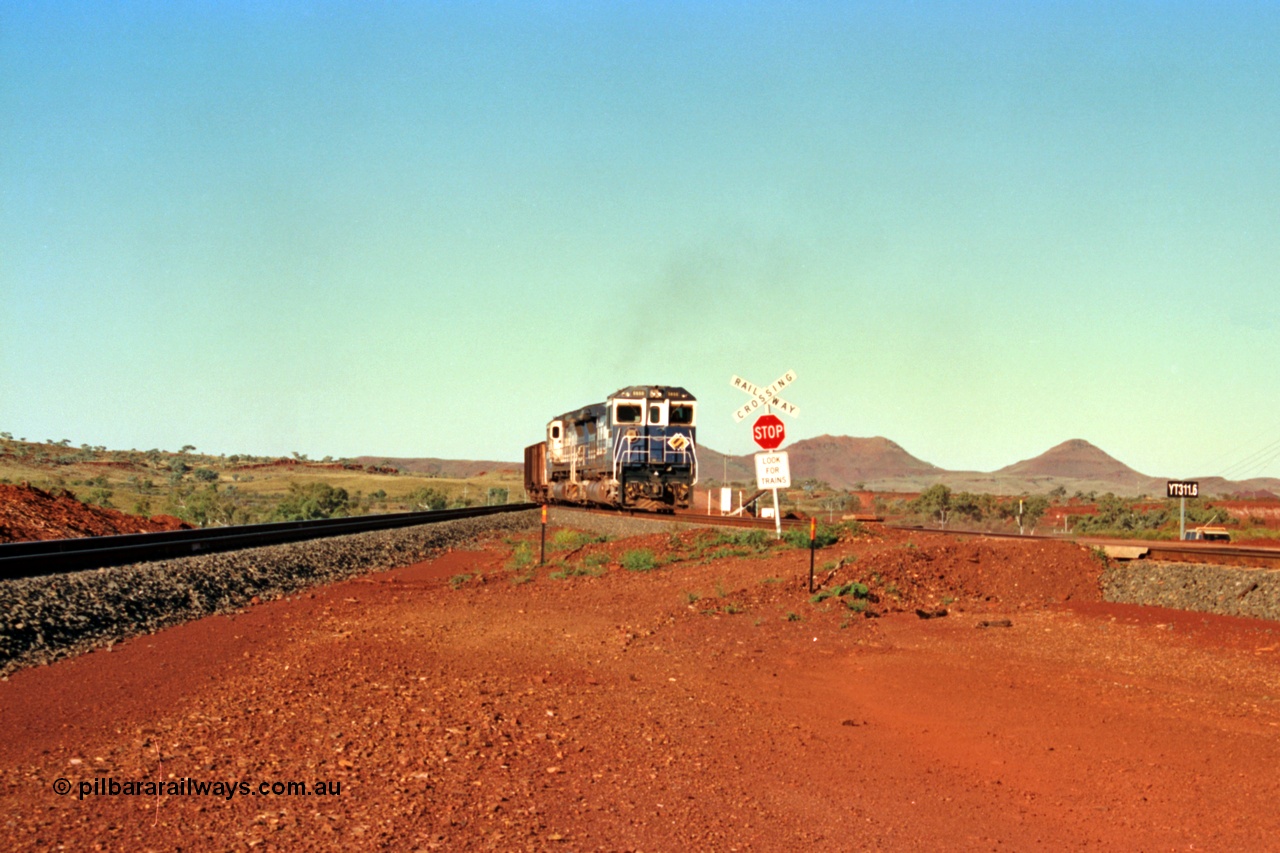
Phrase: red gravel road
x=679 y=708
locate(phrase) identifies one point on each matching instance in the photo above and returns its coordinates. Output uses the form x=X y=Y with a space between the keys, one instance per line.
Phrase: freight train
x=637 y=449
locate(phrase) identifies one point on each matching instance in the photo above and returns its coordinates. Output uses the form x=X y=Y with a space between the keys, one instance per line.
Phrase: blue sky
x=424 y=229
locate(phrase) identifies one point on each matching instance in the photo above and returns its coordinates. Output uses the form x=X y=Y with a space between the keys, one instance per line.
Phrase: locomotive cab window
x=627 y=413
x=681 y=414
x=555 y=430
x=657 y=414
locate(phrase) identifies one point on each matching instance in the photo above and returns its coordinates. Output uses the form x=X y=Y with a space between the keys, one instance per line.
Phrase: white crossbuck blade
x=762 y=397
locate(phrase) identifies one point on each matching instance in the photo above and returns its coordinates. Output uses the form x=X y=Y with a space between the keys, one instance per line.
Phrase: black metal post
x=813 y=545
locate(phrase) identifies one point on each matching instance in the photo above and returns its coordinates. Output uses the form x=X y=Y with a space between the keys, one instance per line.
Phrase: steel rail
x=57 y=556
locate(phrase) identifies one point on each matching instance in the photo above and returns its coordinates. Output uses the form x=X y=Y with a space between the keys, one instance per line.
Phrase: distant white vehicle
x=1208 y=534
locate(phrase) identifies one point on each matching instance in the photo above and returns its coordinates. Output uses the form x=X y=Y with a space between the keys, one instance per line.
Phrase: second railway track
x=1244 y=556
x=56 y=556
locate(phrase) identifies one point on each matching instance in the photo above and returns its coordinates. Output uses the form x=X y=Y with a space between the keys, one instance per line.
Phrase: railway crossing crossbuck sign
x=773 y=469
x=764 y=398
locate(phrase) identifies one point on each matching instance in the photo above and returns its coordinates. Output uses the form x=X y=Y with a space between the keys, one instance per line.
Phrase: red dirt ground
x=28 y=513
x=680 y=708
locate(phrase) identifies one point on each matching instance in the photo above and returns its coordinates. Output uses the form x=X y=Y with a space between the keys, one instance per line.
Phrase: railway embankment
x=46 y=618
x=1225 y=590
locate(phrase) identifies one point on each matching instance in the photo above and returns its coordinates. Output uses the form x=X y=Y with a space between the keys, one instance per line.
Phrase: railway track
x=58 y=556
x=1162 y=550
x=1187 y=552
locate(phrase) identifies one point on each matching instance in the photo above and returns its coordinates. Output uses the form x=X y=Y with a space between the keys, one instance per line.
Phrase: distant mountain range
x=878 y=464
x=459 y=469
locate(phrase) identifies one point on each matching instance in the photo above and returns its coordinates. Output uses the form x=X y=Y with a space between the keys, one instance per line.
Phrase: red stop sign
x=768 y=431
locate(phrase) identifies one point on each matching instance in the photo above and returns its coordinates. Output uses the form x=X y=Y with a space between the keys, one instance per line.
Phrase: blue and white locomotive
x=636 y=449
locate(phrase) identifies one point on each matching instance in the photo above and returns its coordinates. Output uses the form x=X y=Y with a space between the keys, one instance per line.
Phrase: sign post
x=542 y=560
x=1182 y=489
x=813 y=546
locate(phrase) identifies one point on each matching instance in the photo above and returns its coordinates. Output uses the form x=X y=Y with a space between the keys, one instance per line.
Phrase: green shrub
x=851 y=528
x=853 y=594
x=745 y=543
x=522 y=556
x=640 y=560
x=313 y=501
x=758 y=539
x=576 y=571
x=424 y=498
x=570 y=540
x=798 y=537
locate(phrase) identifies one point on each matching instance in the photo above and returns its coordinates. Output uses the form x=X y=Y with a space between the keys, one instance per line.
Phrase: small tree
x=424 y=498
x=934 y=502
x=313 y=500
x=1033 y=509
x=101 y=496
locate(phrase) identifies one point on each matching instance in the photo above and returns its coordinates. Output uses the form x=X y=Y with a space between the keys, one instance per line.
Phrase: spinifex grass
x=639 y=560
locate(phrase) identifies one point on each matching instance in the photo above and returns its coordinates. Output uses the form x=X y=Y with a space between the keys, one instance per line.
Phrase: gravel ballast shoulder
x=1225 y=590
x=46 y=618
x=618 y=526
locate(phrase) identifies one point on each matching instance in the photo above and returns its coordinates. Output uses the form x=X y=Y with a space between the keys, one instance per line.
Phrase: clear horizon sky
x=424 y=229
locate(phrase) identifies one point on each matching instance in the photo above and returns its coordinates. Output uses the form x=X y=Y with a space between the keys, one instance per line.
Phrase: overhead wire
x=1254 y=463
x=1226 y=459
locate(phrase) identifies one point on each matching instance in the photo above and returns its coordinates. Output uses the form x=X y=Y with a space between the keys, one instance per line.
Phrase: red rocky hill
x=843 y=460
x=1077 y=459
x=27 y=514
